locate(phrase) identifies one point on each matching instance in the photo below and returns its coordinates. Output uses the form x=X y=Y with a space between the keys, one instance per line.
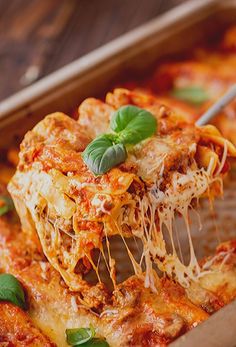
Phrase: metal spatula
x=218 y=106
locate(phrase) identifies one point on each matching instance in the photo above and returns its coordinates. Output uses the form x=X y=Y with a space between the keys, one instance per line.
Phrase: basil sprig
x=192 y=94
x=130 y=125
x=6 y=204
x=103 y=153
x=133 y=124
x=11 y=290
x=84 y=337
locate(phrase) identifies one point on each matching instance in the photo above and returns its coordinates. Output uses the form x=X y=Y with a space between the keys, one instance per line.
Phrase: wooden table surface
x=40 y=36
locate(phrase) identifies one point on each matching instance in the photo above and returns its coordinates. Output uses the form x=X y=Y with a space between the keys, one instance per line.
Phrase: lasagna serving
x=73 y=211
x=117 y=176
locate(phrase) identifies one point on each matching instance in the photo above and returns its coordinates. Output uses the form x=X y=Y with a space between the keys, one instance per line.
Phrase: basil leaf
x=103 y=153
x=77 y=337
x=96 y=342
x=11 y=290
x=6 y=204
x=133 y=124
x=193 y=94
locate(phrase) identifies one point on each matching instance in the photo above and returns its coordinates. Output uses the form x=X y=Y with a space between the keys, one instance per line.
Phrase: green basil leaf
x=133 y=124
x=96 y=342
x=103 y=153
x=11 y=290
x=193 y=94
x=77 y=337
x=6 y=204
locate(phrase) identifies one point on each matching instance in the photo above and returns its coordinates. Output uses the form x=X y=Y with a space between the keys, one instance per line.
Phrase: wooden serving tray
x=134 y=53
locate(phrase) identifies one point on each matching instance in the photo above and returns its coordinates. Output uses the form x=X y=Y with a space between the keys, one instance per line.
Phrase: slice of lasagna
x=75 y=213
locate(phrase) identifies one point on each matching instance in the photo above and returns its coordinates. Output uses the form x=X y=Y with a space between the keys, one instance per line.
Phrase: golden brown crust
x=56 y=132
x=222 y=277
x=152 y=319
x=17 y=329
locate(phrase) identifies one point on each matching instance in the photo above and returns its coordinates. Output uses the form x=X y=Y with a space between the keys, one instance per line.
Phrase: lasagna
x=71 y=220
x=74 y=212
x=130 y=316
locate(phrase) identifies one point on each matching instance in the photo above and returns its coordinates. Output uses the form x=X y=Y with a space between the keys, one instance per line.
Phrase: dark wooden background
x=39 y=36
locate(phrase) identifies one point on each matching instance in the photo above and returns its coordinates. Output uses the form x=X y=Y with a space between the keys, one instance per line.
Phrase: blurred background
x=39 y=36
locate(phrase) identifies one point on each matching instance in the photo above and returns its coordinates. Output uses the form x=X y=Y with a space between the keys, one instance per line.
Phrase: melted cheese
x=149 y=216
x=177 y=198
